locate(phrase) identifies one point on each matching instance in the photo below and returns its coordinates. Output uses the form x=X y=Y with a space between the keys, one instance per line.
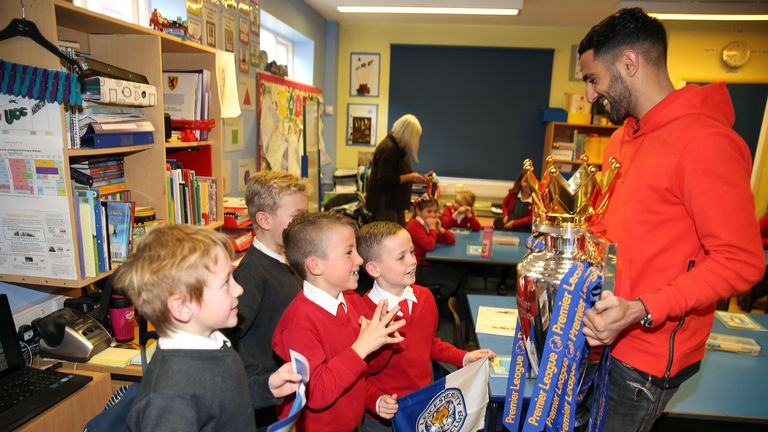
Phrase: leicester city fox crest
x=446 y=412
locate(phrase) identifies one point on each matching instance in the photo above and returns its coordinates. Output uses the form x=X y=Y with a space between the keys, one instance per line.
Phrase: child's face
x=396 y=263
x=341 y=265
x=460 y=202
x=427 y=212
x=218 y=307
x=289 y=206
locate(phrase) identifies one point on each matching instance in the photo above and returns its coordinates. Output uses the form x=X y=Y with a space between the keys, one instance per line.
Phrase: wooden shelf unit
x=135 y=48
x=560 y=131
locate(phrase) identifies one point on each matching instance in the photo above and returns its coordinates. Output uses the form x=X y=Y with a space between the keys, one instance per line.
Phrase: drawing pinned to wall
x=233 y=135
x=195 y=29
x=255 y=54
x=226 y=179
x=211 y=19
x=244 y=30
x=364 y=74
x=575 y=74
x=244 y=60
x=246 y=88
x=246 y=167
x=255 y=22
x=228 y=23
x=361 y=124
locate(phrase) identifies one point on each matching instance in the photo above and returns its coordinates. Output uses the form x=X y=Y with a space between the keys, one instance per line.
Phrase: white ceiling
x=538 y=13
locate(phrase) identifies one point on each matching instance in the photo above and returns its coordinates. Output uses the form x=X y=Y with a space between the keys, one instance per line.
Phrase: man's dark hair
x=628 y=28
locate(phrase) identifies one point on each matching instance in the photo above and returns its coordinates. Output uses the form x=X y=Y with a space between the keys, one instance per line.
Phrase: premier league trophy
x=557 y=279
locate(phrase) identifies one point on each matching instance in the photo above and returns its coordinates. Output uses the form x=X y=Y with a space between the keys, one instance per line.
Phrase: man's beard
x=619 y=97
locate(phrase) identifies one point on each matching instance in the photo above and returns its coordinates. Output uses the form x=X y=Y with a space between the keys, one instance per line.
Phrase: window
x=278 y=49
x=133 y=11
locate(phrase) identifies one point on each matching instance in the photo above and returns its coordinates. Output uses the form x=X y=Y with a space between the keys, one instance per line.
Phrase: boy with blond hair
x=273 y=199
x=325 y=324
x=461 y=213
x=180 y=279
x=389 y=258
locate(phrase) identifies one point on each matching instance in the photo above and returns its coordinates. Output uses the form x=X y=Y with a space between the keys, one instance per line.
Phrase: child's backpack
x=351 y=205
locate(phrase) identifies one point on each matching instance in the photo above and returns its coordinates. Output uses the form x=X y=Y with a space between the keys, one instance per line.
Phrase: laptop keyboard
x=28 y=383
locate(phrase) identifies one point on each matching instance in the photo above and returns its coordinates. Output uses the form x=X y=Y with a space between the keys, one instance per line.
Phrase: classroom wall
x=694 y=54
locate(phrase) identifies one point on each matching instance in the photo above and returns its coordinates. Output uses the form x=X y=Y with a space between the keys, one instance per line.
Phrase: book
x=121 y=92
x=121 y=215
x=739 y=321
x=88 y=251
x=123 y=139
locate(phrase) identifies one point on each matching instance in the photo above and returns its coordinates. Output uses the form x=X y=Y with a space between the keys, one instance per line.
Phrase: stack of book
x=105 y=175
x=191 y=198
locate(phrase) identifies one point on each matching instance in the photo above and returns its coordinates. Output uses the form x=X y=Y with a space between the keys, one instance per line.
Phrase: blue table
x=502 y=254
x=729 y=387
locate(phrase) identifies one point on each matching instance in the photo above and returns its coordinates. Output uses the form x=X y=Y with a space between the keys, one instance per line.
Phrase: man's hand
x=387 y=406
x=609 y=317
x=283 y=381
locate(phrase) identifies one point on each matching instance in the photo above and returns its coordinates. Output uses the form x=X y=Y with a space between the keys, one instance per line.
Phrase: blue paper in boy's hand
x=300 y=365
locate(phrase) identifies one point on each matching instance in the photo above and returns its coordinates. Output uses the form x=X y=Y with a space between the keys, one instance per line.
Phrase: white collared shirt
x=423 y=223
x=377 y=294
x=323 y=299
x=520 y=197
x=178 y=339
x=260 y=246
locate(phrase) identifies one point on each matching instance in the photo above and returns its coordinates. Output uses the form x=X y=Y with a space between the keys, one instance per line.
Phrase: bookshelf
x=560 y=132
x=144 y=51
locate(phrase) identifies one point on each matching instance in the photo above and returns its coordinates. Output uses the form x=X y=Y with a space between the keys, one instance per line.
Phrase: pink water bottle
x=487 y=246
x=122 y=317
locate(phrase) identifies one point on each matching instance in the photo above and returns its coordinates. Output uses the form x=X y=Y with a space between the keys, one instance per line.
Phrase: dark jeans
x=374 y=425
x=634 y=404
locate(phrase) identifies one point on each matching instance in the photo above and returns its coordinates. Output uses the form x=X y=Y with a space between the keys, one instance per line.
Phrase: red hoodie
x=682 y=196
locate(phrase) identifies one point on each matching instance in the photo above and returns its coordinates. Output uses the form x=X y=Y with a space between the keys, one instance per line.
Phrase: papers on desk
x=474 y=250
x=150 y=352
x=496 y=321
x=738 y=321
x=500 y=366
x=114 y=357
x=504 y=240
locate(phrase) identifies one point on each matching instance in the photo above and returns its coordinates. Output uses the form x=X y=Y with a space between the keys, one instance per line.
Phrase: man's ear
x=629 y=62
x=314 y=265
x=373 y=269
x=180 y=308
x=263 y=220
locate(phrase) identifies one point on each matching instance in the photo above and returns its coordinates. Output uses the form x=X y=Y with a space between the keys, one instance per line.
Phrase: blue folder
x=98 y=140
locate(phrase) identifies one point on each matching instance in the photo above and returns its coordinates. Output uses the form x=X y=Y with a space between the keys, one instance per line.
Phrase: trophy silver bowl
x=563 y=211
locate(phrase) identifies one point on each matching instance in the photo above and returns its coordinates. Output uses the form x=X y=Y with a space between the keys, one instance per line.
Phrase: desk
x=77 y=409
x=729 y=387
x=502 y=254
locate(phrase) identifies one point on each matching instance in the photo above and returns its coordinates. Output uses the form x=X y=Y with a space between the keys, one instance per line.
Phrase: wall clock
x=736 y=54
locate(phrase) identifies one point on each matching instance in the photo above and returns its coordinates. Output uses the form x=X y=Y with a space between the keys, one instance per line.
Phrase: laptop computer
x=24 y=391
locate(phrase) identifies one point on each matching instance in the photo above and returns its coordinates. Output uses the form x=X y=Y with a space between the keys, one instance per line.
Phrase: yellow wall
x=694 y=55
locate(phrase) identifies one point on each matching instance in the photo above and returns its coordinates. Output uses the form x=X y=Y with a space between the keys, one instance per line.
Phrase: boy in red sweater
x=324 y=323
x=461 y=214
x=389 y=258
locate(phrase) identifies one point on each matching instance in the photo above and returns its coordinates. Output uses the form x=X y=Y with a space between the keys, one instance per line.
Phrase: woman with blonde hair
x=389 y=184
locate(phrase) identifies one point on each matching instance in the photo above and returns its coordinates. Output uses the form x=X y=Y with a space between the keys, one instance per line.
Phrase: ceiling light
x=704 y=10
x=426 y=10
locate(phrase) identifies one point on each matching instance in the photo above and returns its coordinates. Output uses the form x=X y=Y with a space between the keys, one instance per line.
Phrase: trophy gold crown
x=574 y=202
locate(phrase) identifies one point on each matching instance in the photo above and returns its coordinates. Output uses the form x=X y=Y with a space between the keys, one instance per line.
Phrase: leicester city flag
x=451 y=404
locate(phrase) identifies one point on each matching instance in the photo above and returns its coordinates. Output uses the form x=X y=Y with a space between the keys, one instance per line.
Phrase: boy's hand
x=284 y=381
x=476 y=355
x=378 y=331
x=387 y=407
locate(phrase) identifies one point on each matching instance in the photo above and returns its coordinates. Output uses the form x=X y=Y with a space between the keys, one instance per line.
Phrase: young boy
x=324 y=324
x=180 y=279
x=273 y=199
x=389 y=258
x=460 y=213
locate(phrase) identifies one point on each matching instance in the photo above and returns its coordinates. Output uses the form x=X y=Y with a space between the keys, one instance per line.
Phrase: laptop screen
x=10 y=353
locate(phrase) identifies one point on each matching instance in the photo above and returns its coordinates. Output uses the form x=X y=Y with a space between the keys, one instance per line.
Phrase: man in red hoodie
x=678 y=250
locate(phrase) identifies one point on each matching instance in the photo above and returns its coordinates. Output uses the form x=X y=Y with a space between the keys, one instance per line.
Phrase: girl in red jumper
x=516 y=207
x=461 y=214
x=427 y=231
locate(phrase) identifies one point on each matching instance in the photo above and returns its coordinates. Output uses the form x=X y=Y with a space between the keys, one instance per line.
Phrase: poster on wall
x=246 y=167
x=255 y=22
x=228 y=24
x=195 y=29
x=361 y=124
x=233 y=134
x=35 y=222
x=254 y=54
x=211 y=19
x=244 y=29
x=244 y=59
x=246 y=88
x=364 y=74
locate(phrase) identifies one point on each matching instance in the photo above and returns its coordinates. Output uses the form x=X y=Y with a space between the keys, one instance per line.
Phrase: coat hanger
x=25 y=28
